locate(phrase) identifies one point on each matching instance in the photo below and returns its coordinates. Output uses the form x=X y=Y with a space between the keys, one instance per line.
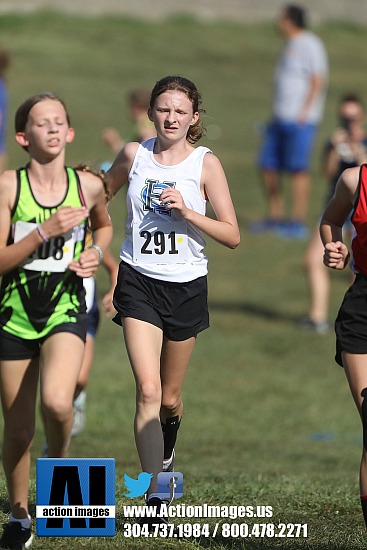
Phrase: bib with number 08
x=53 y=256
x=166 y=244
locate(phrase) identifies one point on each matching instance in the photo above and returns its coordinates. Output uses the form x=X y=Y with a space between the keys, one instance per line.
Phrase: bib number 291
x=159 y=245
x=152 y=245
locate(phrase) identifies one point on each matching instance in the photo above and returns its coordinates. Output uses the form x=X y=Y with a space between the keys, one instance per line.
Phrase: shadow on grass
x=254 y=310
x=4 y=505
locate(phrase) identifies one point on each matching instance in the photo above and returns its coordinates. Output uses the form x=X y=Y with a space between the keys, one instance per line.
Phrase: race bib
x=54 y=255
x=166 y=244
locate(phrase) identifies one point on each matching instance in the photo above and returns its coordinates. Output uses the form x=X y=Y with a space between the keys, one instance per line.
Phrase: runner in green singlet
x=43 y=214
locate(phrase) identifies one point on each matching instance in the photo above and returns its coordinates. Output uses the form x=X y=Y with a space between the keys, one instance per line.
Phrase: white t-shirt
x=302 y=57
x=158 y=242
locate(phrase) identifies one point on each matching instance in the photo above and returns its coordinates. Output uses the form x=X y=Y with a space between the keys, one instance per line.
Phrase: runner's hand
x=336 y=255
x=87 y=264
x=64 y=219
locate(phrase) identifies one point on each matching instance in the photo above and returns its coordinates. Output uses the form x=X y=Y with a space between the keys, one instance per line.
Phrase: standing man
x=300 y=88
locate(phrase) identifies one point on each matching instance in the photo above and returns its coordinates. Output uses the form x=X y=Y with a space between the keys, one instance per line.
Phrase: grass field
x=268 y=417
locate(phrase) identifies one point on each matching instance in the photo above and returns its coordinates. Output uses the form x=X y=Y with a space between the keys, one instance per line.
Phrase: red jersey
x=359 y=220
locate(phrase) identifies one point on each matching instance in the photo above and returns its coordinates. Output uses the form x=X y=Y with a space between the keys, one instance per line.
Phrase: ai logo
x=75 y=497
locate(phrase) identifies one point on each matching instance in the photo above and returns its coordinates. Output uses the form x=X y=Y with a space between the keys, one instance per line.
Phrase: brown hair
x=22 y=113
x=351 y=98
x=297 y=15
x=197 y=130
x=21 y=116
x=139 y=97
x=101 y=174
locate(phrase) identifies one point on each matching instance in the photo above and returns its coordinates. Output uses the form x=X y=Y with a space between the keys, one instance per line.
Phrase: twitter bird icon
x=137 y=487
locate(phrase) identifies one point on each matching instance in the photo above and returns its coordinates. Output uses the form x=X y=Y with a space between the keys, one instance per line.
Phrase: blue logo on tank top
x=150 y=195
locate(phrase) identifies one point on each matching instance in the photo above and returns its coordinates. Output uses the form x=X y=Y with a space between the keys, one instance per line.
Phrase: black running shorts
x=179 y=309
x=14 y=348
x=351 y=322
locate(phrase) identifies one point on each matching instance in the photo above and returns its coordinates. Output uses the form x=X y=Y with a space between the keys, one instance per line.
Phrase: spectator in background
x=93 y=311
x=4 y=64
x=300 y=88
x=138 y=101
x=346 y=148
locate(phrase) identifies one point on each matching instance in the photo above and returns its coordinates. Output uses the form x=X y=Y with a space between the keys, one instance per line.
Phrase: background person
x=300 y=88
x=111 y=266
x=138 y=101
x=93 y=313
x=346 y=148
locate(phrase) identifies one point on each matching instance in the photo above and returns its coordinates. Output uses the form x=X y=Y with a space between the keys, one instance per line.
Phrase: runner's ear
x=70 y=135
x=21 y=139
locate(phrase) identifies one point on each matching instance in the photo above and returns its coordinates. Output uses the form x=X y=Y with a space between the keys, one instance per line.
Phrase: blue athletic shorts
x=287 y=146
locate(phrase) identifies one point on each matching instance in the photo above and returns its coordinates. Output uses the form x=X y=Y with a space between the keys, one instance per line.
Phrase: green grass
x=268 y=417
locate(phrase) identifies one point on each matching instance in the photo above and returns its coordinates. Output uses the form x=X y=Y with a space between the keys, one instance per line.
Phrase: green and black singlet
x=43 y=293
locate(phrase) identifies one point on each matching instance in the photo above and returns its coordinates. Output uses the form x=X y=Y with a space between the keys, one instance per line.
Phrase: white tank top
x=158 y=242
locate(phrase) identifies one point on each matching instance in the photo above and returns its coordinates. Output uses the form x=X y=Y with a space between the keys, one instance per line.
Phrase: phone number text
x=225 y=530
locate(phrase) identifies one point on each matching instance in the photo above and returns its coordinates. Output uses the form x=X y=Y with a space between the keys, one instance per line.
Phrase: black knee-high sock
x=170 y=429
x=364 y=508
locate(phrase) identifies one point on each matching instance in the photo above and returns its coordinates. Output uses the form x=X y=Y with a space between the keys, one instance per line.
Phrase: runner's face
x=172 y=115
x=47 y=128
